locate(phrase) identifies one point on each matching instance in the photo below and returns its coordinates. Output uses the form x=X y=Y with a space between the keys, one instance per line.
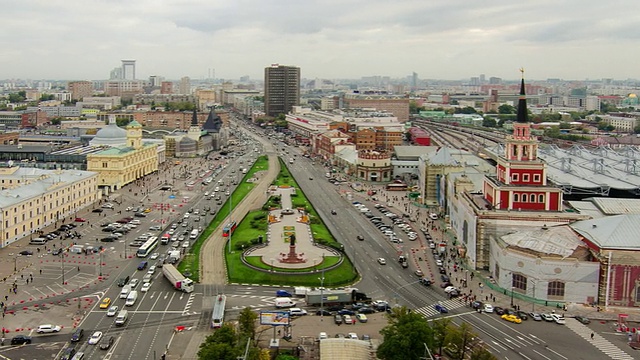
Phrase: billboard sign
x=274 y=318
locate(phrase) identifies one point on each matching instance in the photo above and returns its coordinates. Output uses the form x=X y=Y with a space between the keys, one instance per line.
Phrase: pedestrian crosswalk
x=430 y=310
x=598 y=341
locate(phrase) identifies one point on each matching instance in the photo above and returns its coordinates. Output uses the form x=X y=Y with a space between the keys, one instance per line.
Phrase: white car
x=433 y=216
x=449 y=289
x=558 y=319
x=382 y=261
x=112 y=311
x=42 y=329
x=152 y=270
x=133 y=283
x=352 y=336
x=488 y=308
x=145 y=287
x=154 y=256
x=439 y=262
x=185 y=244
x=95 y=338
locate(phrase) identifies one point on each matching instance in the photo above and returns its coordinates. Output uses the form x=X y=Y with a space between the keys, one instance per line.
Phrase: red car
x=81 y=219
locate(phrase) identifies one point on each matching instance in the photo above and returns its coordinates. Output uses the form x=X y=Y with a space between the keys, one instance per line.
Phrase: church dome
x=110 y=135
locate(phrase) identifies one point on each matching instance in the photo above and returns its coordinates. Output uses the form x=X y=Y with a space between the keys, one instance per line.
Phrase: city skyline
x=571 y=40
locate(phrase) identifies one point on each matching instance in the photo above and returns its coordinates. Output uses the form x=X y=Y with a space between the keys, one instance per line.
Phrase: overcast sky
x=438 y=39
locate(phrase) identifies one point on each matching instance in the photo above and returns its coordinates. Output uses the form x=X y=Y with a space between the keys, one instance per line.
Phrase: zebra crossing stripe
x=429 y=310
x=598 y=341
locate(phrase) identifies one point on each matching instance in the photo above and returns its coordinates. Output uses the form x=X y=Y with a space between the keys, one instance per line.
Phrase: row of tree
x=408 y=335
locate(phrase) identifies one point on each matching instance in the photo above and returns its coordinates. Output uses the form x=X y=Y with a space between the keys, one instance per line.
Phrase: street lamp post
x=511 y=296
x=100 y=259
x=322 y=296
x=426 y=350
x=533 y=302
x=466 y=272
x=62 y=264
x=15 y=263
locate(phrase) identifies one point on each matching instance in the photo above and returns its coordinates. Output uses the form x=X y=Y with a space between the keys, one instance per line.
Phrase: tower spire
x=194 y=119
x=522 y=116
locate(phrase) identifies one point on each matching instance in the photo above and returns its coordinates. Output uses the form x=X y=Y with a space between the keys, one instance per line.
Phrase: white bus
x=217 y=318
x=147 y=247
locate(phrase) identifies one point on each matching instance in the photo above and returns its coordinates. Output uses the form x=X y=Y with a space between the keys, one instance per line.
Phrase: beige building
x=33 y=198
x=120 y=165
x=80 y=89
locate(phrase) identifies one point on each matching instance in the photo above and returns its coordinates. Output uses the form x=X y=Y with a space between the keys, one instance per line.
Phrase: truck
x=179 y=281
x=173 y=256
x=335 y=297
x=300 y=291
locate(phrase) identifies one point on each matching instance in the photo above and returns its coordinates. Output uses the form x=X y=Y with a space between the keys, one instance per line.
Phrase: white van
x=125 y=291
x=284 y=302
x=38 y=241
x=131 y=298
x=121 y=318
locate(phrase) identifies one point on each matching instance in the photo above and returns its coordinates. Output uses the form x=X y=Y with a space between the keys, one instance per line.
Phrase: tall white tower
x=128 y=69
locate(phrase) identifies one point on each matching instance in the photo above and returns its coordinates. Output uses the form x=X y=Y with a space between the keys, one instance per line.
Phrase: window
x=514 y=177
x=516 y=197
x=525 y=177
x=524 y=197
x=540 y=198
x=536 y=177
x=519 y=281
x=555 y=288
x=532 y=198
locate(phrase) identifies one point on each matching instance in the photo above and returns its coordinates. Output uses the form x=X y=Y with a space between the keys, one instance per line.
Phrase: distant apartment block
x=101 y=103
x=166 y=87
x=281 y=89
x=185 y=86
x=398 y=105
x=80 y=89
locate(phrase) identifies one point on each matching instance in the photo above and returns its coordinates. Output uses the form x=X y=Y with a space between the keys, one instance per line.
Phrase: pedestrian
x=592 y=335
x=40 y=271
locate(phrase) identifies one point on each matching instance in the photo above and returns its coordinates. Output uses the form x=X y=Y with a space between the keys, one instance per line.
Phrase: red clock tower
x=520 y=182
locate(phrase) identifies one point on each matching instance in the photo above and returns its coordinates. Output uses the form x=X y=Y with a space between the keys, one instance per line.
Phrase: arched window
x=519 y=281
x=541 y=198
x=532 y=198
x=555 y=288
x=516 y=197
x=524 y=197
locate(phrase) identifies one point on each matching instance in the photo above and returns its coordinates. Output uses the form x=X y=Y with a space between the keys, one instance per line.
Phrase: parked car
x=535 y=316
x=366 y=310
x=546 y=317
x=498 y=310
x=522 y=315
x=337 y=319
x=511 y=318
x=488 y=308
x=26 y=253
x=362 y=318
x=346 y=312
x=324 y=313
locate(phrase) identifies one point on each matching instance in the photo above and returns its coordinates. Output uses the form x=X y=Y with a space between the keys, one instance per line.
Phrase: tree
x=466 y=110
x=441 y=332
x=506 y=109
x=56 y=121
x=636 y=130
x=462 y=337
x=405 y=336
x=247 y=323
x=220 y=345
x=481 y=353
x=565 y=125
x=489 y=122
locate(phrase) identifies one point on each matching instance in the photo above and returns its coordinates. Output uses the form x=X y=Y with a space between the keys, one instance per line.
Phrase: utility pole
x=322 y=297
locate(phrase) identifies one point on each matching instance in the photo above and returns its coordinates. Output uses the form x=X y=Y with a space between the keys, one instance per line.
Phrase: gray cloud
x=331 y=38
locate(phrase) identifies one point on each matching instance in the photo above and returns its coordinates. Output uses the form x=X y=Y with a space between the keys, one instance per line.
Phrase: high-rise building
x=185 y=86
x=80 y=89
x=166 y=87
x=281 y=89
x=128 y=69
x=155 y=80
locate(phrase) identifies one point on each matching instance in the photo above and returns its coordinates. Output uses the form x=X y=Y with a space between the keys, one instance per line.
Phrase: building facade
x=281 y=89
x=395 y=104
x=80 y=89
x=33 y=198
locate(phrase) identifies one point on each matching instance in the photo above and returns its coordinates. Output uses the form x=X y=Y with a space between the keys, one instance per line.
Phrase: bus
x=229 y=229
x=147 y=247
x=397 y=187
x=217 y=318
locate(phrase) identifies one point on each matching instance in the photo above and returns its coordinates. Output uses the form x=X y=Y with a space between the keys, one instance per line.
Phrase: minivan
x=38 y=241
x=143 y=265
x=121 y=318
x=284 y=302
x=131 y=298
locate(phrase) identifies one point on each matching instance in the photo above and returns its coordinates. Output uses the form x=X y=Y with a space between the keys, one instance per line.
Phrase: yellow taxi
x=512 y=318
x=147 y=210
x=105 y=303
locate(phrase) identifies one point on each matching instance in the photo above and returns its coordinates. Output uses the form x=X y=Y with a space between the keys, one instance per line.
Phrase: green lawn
x=191 y=262
x=255 y=225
